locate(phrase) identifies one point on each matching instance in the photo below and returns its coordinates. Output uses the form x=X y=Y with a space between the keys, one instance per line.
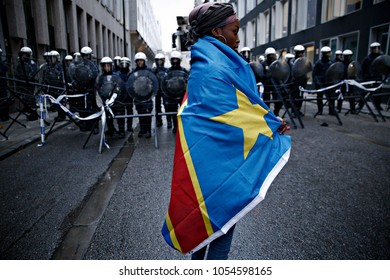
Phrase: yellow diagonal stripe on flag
x=172 y=234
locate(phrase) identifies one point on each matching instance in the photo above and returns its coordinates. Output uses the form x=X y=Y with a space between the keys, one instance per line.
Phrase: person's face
x=299 y=54
x=159 y=62
x=228 y=34
x=140 y=63
x=107 y=67
x=375 y=50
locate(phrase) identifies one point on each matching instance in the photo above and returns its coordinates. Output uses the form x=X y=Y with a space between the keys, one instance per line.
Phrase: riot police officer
x=4 y=104
x=347 y=59
x=246 y=53
x=299 y=51
x=83 y=73
x=171 y=104
x=160 y=71
x=318 y=74
x=144 y=107
x=68 y=60
x=338 y=56
x=52 y=74
x=117 y=61
x=27 y=70
x=125 y=64
x=375 y=51
x=109 y=84
x=269 y=88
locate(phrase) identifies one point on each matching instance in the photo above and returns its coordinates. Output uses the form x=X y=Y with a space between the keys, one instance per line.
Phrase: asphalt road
x=331 y=201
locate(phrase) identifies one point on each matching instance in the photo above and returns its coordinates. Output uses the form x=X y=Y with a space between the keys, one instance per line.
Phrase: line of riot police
x=138 y=87
x=283 y=81
x=83 y=89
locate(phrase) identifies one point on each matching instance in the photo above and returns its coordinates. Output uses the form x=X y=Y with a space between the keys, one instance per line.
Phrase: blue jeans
x=218 y=249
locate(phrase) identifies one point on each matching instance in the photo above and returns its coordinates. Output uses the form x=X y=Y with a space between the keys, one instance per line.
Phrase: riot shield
x=84 y=73
x=301 y=67
x=108 y=85
x=258 y=70
x=279 y=71
x=174 y=84
x=380 y=66
x=335 y=73
x=354 y=71
x=142 y=85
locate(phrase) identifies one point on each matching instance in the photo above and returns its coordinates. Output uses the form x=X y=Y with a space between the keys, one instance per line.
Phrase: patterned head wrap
x=205 y=17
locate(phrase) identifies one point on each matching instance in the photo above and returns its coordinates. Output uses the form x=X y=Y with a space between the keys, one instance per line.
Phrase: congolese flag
x=228 y=150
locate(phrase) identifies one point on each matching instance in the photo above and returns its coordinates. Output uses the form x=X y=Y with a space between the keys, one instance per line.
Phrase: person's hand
x=282 y=129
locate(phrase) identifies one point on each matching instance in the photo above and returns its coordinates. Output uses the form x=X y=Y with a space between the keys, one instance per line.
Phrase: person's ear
x=216 y=31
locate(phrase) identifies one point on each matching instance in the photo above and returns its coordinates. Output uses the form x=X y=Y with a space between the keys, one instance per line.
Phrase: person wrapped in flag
x=229 y=145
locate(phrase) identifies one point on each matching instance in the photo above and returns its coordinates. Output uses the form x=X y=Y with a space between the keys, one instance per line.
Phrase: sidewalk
x=23 y=133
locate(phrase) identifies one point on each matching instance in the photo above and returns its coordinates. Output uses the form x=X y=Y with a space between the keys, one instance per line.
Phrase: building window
x=303 y=14
x=279 y=20
x=250 y=5
x=241 y=8
x=250 y=35
x=336 y=8
x=380 y=34
x=263 y=28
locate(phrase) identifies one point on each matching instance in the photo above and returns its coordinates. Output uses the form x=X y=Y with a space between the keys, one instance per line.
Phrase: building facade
x=339 y=24
x=107 y=26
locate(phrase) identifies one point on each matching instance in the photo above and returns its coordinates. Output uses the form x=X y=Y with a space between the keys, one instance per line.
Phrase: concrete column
x=92 y=34
x=83 y=29
x=115 y=46
x=16 y=18
x=39 y=10
x=99 y=40
x=110 y=46
x=59 y=28
x=106 y=51
x=71 y=14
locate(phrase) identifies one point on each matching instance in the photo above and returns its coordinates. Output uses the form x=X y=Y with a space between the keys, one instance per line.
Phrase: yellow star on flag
x=250 y=118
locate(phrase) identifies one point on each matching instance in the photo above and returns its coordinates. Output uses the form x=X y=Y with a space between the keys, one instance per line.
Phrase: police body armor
x=51 y=75
x=161 y=72
x=174 y=84
x=109 y=86
x=142 y=85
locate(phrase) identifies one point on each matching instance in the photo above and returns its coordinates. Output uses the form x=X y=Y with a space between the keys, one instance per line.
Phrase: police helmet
x=176 y=54
x=338 y=52
x=26 y=50
x=245 y=49
x=68 y=57
x=289 y=56
x=299 y=48
x=125 y=62
x=269 y=51
x=140 y=56
x=86 y=50
x=106 y=60
x=325 y=49
x=375 y=45
x=55 y=54
x=159 y=56
x=347 y=52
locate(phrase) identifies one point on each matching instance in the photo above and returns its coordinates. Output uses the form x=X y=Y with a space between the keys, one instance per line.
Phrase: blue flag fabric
x=228 y=149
